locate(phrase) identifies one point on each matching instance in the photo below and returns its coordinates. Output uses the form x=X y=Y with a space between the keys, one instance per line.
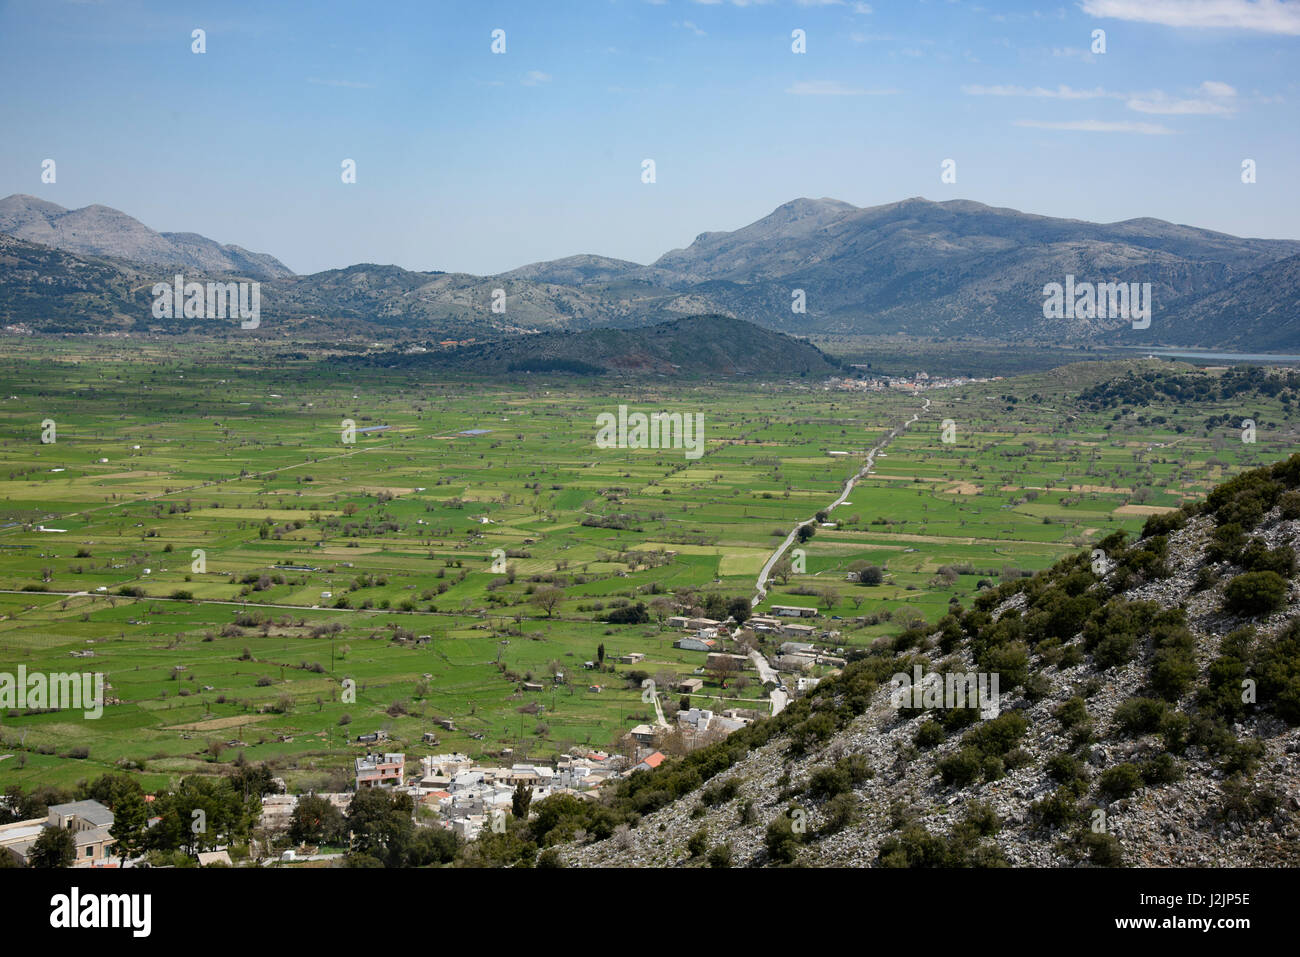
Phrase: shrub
x=1241 y=805
x=629 y=615
x=1066 y=769
x=1290 y=505
x=1016 y=758
x=1172 y=671
x=840 y=811
x=1164 y=523
x=1173 y=730
x=1139 y=715
x=928 y=734
x=781 y=839
x=720 y=856
x=913 y=847
x=827 y=782
x=720 y=793
x=1279 y=674
x=1255 y=593
x=1071 y=712
x=1258 y=557
x=812 y=730
x=1161 y=769
x=998 y=735
x=1102 y=849
x=1010 y=662
x=1119 y=781
x=960 y=769
x=698 y=843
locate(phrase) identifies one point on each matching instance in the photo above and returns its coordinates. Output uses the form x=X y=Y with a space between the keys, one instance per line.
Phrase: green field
x=162 y=449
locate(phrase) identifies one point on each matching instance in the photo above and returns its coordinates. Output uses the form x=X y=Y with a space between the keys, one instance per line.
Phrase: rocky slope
x=104 y=231
x=1125 y=741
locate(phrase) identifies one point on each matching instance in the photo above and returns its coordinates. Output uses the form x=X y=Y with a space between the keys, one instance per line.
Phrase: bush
x=1072 y=712
x=1290 y=505
x=1173 y=730
x=913 y=847
x=1016 y=758
x=629 y=615
x=698 y=843
x=928 y=734
x=1102 y=849
x=1139 y=716
x=812 y=730
x=1255 y=593
x=1258 y=557
x=1161 y=769
x=720 y=793
x=1059 y=809
x=1119 y=781
x=960 y=769
x=781 y=839
x=840 y=811
x=1241 y=805
x=998 y=735
x=1279 y=674
x=1066 y=769
x=827 y=782
x=720 y=856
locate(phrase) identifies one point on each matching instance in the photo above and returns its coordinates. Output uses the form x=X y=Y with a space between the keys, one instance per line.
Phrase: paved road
x=761 y=585
x=779 y=698
x=767 y=673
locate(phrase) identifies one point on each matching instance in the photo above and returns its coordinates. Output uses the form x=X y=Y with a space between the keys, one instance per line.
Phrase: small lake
x=1218 y=356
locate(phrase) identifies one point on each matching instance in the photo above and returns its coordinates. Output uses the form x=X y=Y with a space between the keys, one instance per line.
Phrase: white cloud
x=1168 y=106
x=1266 y=16
x=832 y=88
x=1087 y=56
x=1097 y=126
x=1060 y=93
x=1216 y=99
x=349 y=84
x=536 y=78
x=690 y=25
x=1215 y=88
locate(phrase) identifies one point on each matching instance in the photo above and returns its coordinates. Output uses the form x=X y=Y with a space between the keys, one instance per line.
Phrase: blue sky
x=479 y=162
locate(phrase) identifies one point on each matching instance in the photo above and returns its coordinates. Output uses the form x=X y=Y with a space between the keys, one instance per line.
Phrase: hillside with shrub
x=1149 y=716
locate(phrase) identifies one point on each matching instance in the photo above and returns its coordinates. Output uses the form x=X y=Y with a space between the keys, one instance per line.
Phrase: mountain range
x=104 y=231
x=954 y=270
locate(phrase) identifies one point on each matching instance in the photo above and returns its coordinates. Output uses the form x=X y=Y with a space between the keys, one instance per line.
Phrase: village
x=467 y=795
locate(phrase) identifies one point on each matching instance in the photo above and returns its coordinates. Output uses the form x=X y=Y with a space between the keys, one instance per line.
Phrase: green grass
x=240 y=455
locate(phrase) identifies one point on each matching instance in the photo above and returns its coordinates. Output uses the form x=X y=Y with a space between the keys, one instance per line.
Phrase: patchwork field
x=202 y=530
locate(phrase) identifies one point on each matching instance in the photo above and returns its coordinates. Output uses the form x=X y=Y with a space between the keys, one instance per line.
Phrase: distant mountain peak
x=99 y=230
